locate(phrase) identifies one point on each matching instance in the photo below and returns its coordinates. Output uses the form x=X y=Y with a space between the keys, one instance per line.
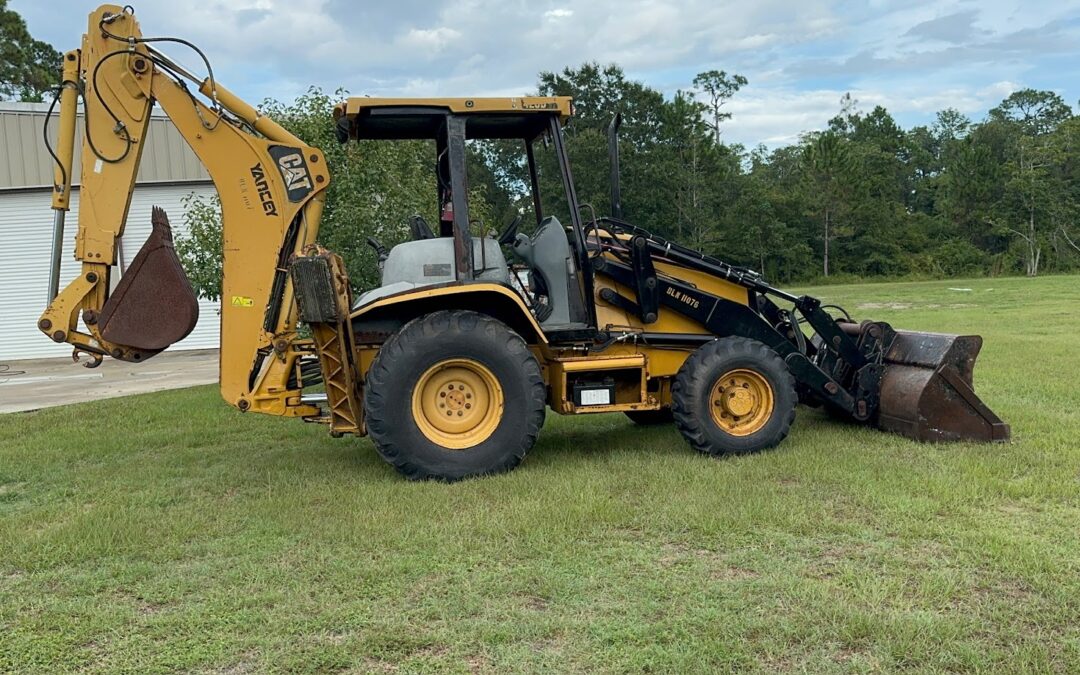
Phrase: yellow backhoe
x=450 y=363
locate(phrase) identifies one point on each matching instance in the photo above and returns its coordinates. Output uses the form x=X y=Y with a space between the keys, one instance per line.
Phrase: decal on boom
x=294 y=171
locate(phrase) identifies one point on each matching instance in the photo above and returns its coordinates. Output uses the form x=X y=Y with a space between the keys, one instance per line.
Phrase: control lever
x=380 y=251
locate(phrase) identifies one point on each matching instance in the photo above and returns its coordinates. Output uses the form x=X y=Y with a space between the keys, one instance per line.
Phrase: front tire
x=454 y=394
x=733 y=396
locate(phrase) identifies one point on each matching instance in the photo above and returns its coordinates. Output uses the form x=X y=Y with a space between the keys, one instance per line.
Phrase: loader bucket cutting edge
x=153 y=305
x=927 y=392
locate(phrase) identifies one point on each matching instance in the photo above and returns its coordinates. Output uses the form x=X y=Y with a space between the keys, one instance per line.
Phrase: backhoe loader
x=450 y=363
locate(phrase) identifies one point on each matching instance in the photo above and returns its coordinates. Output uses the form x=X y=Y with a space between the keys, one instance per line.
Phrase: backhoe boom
x=271 y=186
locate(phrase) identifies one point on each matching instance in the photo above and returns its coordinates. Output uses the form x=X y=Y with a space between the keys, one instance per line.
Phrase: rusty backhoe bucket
x=154 y=305
x=927 y=391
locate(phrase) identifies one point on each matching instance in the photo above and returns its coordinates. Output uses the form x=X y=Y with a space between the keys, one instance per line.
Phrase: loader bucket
x=154 y=305
x=927 y=392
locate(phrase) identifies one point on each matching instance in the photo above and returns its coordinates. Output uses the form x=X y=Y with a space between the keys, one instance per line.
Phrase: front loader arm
x=272 y=190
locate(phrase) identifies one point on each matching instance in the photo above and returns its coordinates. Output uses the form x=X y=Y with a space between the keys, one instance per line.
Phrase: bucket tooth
x=153 y=305
x=927 y=392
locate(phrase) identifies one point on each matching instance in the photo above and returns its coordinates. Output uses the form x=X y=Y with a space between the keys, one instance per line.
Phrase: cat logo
x=294 y=171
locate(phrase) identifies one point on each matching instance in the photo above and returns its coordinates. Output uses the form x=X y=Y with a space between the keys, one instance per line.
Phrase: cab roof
x=416 y=118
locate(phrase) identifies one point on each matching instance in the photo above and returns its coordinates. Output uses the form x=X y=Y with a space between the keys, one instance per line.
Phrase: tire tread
x=689 y=421
x=407 y=341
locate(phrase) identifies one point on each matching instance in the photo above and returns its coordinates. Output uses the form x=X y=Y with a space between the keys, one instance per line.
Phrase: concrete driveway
x=43 y=383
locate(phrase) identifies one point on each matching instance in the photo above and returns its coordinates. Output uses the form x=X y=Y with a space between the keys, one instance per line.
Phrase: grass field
x=169 y=532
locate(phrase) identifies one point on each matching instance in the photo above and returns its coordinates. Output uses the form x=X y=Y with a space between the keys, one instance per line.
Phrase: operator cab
x=449 y=251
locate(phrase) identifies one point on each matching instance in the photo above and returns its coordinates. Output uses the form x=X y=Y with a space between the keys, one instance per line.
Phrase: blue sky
x=913 y=57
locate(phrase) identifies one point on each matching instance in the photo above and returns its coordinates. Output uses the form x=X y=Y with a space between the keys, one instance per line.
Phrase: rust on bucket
x=927 y=390
x=153 y=305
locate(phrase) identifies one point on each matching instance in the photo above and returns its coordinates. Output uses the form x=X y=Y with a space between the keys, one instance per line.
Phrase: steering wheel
x=509 y=231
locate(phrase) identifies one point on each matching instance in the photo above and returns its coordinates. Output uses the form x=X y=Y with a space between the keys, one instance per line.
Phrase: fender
x=374 y=322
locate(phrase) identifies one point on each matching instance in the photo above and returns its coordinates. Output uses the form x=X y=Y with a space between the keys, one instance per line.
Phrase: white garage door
x=25 y=244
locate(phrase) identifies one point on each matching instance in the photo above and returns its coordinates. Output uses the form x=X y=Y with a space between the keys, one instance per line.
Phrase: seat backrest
x=549 y=255
x=419 y=228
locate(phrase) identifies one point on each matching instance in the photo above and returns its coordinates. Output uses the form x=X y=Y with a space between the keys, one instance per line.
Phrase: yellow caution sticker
x=242 y=301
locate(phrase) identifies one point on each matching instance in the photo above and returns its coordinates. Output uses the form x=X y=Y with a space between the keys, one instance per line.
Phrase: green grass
x=169 y=532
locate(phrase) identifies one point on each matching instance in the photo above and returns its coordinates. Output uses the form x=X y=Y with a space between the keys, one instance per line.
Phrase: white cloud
x=560 y=13
x=999 y=90
x=914 y=56
x=755 y=41
x=777 y=116
x=430 y=38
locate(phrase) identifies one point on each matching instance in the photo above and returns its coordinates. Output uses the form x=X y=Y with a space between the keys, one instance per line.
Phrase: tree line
x=862 y=197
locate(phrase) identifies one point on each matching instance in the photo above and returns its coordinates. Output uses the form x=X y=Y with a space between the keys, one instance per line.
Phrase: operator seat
x=550 y=258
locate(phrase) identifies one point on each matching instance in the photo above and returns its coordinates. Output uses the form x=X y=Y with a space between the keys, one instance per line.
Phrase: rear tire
x=733 y=396
x=648 y=418
x=469 y=366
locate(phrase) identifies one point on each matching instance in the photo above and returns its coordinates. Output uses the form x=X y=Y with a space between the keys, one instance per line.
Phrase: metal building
x=169 y=173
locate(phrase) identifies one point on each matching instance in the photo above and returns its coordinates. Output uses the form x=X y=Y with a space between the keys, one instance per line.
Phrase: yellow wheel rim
x=741 y=402
x=457 y=403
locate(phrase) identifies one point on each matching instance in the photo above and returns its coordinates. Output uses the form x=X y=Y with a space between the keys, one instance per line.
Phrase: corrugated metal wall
x=24 y=161
x=25 y=242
